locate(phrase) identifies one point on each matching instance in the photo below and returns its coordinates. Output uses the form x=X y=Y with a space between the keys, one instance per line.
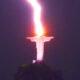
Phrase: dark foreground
x=37 y=71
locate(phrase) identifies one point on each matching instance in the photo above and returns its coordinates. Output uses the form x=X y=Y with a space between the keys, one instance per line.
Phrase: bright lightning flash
x=37 y=15
x=39 y=39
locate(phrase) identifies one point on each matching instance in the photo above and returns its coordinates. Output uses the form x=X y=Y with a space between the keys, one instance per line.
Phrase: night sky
x=61 y=19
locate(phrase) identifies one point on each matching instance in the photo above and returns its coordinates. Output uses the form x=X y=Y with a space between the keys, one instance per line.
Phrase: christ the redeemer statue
x=40 y=45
